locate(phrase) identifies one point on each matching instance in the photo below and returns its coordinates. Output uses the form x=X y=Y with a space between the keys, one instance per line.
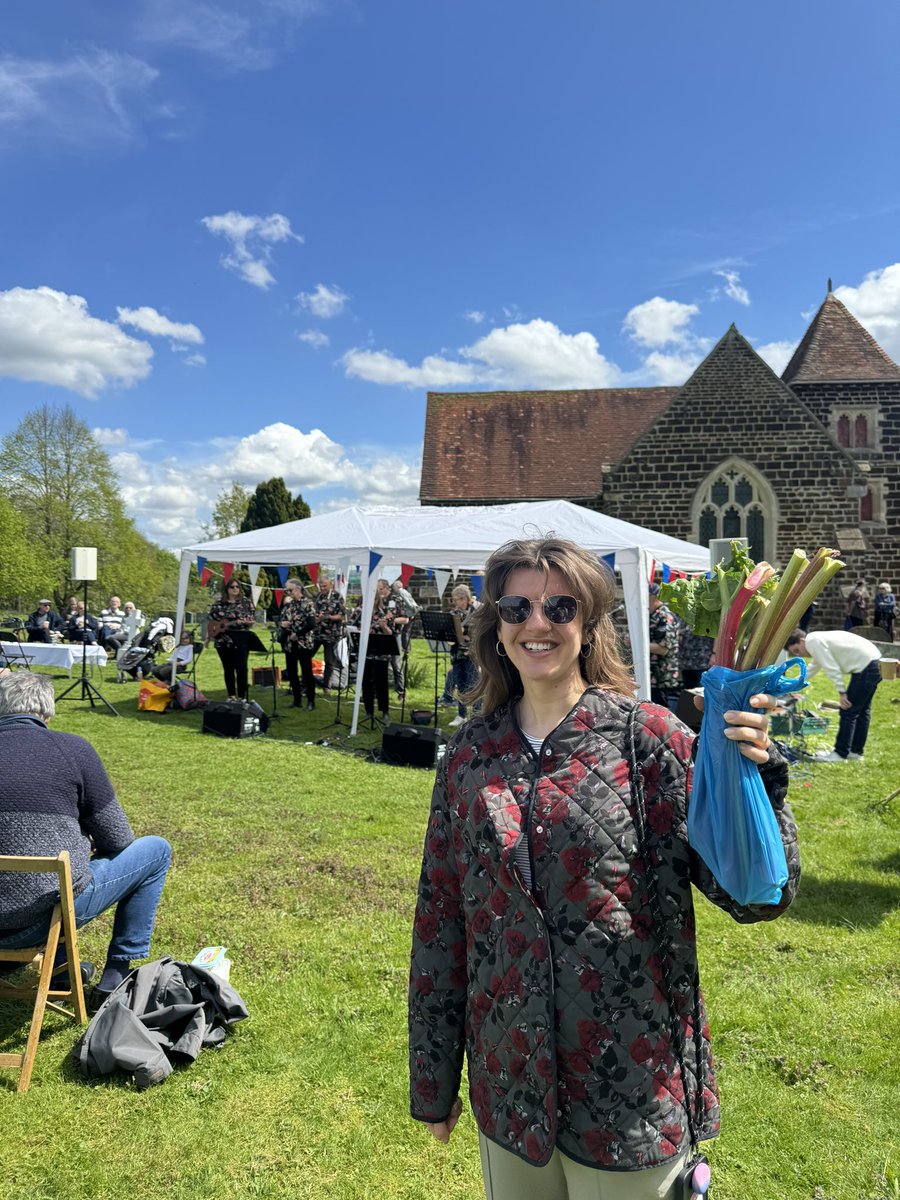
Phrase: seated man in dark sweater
x=43 y=623
x=55 y=795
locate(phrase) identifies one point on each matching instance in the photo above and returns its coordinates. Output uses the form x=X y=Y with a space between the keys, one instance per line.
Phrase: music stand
x=381 y=645
x=347 y=636
x=441 y=631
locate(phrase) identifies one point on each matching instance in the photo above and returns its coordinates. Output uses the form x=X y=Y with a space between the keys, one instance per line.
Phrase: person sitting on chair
x=55 y=795
x=43 y=623
x=113 y=635
x=182 y=656
x=83 y=627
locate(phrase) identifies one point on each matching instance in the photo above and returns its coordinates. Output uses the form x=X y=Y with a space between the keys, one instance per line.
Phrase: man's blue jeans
x=132 y=880
x=853 y=727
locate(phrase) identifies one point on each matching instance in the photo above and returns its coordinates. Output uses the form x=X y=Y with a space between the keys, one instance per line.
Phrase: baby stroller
x=140 y=654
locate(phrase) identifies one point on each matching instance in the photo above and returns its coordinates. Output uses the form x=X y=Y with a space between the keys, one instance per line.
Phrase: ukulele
x=215 y=628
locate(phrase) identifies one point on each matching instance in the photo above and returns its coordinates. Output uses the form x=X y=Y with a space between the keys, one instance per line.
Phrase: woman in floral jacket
x=534 y=950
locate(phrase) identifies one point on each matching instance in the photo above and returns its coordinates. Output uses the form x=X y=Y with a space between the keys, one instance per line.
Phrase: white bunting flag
x=253 y=570
x=441 y=578
x=255 y=592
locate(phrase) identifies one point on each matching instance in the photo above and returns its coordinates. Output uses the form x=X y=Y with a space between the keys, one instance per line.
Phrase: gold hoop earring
x=501 y=652
x=585 y=651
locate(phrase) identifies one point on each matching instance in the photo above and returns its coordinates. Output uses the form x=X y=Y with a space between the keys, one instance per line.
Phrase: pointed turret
x=836 y=347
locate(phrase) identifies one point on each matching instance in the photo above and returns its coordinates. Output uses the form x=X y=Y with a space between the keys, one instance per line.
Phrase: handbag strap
x=662 y=934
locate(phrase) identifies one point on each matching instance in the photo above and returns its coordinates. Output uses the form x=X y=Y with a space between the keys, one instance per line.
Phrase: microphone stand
x=274 y=715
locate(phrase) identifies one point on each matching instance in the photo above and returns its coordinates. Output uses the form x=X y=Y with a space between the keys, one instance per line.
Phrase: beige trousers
x=508 y=1177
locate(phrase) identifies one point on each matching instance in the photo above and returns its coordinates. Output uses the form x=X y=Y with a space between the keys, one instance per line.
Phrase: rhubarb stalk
x=726 y=641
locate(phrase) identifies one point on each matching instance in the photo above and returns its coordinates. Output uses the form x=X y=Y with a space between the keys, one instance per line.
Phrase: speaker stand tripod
x=88 y=690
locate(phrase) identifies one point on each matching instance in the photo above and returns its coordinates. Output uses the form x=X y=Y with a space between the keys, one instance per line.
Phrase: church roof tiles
x=836 y=347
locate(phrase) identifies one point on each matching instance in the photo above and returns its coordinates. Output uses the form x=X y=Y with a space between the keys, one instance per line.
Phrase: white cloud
x=148 y=320
x=533 y=355
x=251 y=239
x=195 y=360
x=777 y=354
x=658 y=322
x=668 y=370
x=309 y=462
x=475 y=316
x=247 y=36
x=315 y=338
x=733 y=288
x=876 y=304
x=90 y=98
x=50 y=337
x=379 y=366
x=325 y=301
x=110 y=437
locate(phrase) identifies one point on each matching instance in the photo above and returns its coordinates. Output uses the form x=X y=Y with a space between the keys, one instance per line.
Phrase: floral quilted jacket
x=554 y=993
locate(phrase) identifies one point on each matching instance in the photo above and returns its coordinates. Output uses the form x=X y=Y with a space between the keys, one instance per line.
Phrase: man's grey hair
x=27 y=693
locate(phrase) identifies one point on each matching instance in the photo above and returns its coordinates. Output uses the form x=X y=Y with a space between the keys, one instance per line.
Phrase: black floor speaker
x=235 y=719
x=411 y=745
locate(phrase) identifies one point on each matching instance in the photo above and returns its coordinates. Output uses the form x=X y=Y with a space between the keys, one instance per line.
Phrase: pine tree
x=272 y=504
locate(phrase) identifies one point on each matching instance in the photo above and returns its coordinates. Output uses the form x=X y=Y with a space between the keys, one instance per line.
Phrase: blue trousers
x=853 y=728
x=132 y=880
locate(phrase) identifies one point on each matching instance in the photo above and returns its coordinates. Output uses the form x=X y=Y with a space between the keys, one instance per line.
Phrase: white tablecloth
x=40 y=654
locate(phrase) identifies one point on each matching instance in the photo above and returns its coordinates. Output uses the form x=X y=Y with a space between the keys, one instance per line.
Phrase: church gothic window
x=736 y=501
x=854 y=428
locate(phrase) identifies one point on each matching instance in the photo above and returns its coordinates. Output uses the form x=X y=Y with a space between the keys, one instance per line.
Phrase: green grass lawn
x=303 y=860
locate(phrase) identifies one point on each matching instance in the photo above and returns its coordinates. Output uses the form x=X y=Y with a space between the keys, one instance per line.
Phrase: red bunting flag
x=279 y=596
x=205 y=576
x=405 y=574
x=652 y=570
x=227 y=572
x=313 y=571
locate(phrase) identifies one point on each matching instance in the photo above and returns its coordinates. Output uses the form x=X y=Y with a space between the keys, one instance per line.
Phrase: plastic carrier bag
x=730 y=822
x=153 y=696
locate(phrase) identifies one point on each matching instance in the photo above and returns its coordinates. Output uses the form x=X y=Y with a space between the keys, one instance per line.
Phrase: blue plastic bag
x=730 y=822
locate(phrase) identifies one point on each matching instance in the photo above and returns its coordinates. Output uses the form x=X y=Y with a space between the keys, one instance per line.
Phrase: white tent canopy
x=455 y=537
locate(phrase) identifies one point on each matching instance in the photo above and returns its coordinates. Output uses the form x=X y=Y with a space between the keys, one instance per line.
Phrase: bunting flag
x=253 y=570
x=279 y=595
x=227 y=572
x=453 y=574
x=312 y=570
x=255 y=593
x=652 y=569
x=201 y=567
x=441 y=578
x=405 y=573
x=609 y=560
x=667 y=571
x=374 y=560
x=477 y=584
x=205 y=576
x=282 y=576
x=429 y=573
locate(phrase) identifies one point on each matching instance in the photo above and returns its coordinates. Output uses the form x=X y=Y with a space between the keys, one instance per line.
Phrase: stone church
x=811 y=458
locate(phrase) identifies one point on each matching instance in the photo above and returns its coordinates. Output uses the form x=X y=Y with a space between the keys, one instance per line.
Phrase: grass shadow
x=846 y=902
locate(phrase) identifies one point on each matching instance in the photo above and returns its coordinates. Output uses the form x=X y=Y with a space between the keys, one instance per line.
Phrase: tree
x=229 y=512
x=64 y=490
x=272 y=504
x=23 y=577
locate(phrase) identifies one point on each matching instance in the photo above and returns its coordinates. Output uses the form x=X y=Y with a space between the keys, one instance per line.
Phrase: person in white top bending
x=840 y=653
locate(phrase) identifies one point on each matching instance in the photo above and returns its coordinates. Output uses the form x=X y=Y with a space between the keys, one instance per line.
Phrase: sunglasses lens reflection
x=514 y=610
x=560 y=609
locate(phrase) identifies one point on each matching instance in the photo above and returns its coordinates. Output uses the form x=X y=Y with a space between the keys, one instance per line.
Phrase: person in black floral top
x=665 y=673
x=534 y=954
x=231 y=644
x=331 y=616
x=375 y=674
x=298 y=636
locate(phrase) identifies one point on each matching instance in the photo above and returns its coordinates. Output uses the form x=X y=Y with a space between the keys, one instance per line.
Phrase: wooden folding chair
x=62 y=929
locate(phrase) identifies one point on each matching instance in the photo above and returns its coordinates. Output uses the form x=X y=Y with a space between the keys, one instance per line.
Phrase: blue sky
x=243 y=239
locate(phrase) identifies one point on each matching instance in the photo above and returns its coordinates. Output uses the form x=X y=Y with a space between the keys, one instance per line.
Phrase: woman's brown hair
x=592 y=586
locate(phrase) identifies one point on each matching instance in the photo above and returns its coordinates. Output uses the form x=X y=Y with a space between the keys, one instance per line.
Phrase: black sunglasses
x=559 y=610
